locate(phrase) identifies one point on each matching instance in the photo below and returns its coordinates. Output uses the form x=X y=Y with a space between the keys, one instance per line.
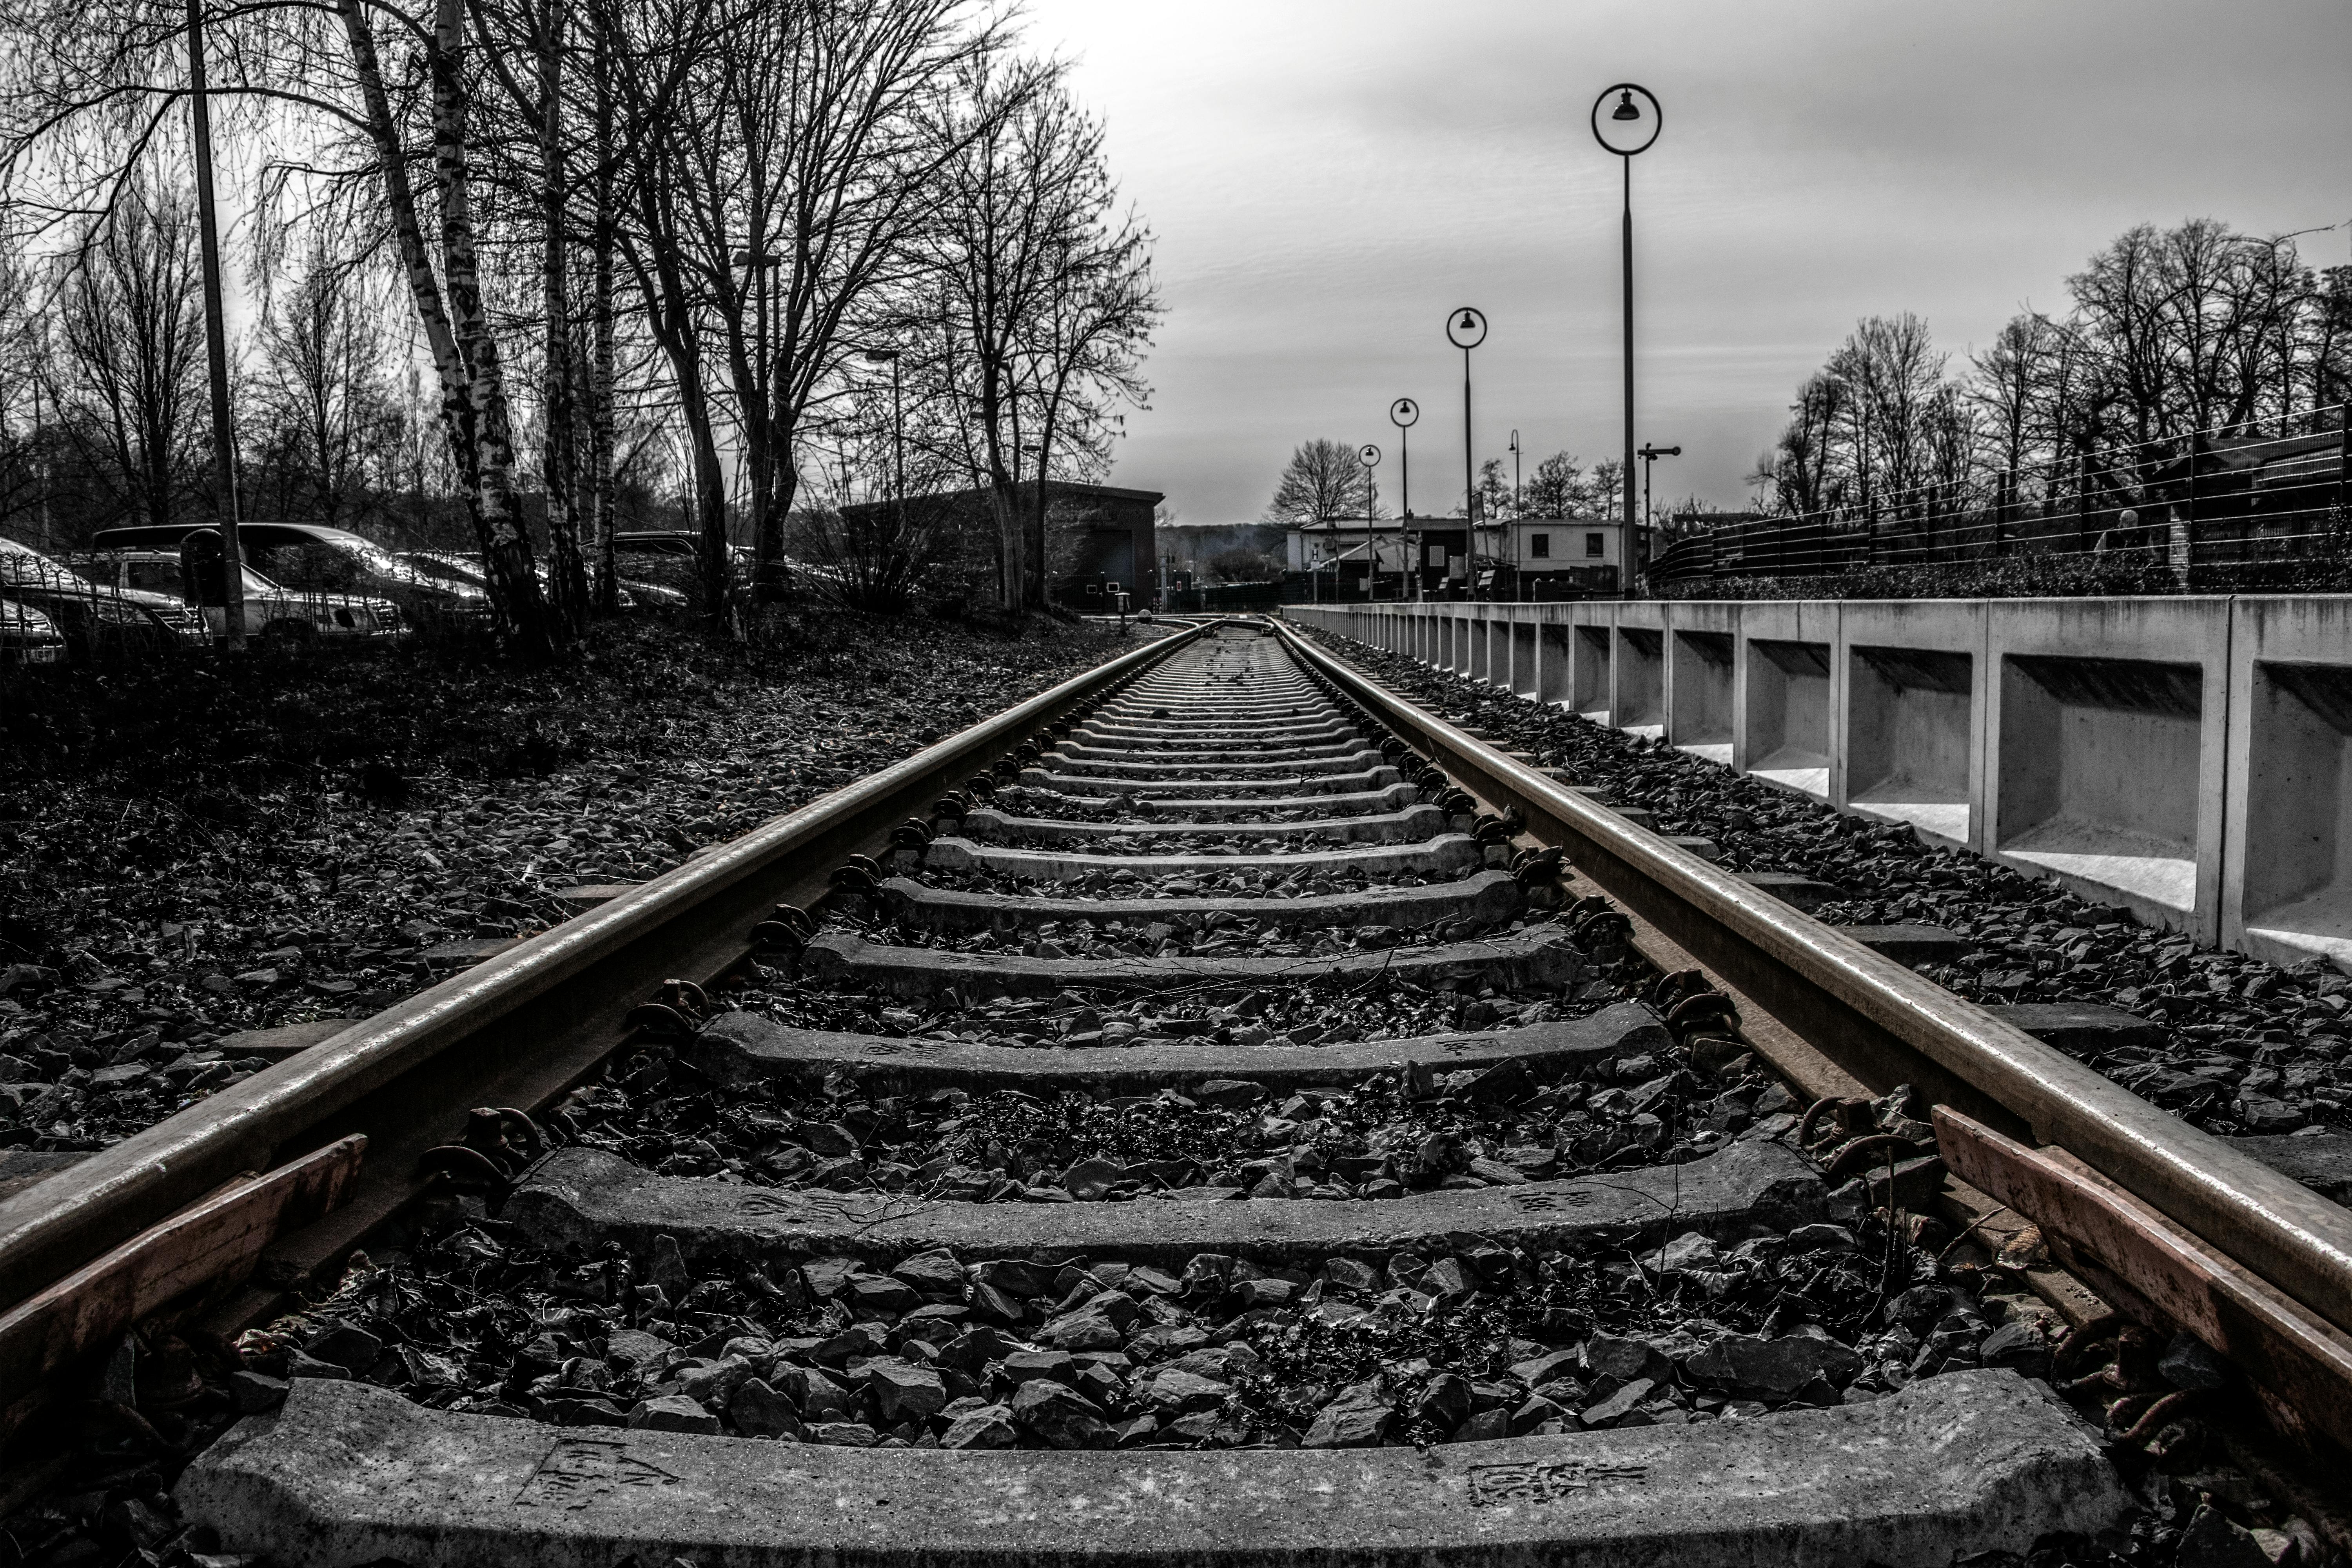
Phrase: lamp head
x=1625 y=109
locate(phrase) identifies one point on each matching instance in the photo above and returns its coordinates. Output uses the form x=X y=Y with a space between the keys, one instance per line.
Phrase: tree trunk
x=558 y=456
x=600 y=418
x=462 y=411
x=1004 y=492
x=672 y=314
x=506 y=546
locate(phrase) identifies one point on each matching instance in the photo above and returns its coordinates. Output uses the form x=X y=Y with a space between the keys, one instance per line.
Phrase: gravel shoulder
x=2248 y=1048
x=194 y=854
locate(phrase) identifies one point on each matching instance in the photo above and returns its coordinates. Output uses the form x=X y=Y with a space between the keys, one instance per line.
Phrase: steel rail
x=1888 y=1025
x=492 y=1024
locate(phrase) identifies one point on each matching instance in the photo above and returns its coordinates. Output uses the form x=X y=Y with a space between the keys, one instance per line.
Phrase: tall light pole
x=215 y=340
x=1515 y=474
x=1466 y=329
x=1629 y=129
x=1402 y=413
x=1370 y=456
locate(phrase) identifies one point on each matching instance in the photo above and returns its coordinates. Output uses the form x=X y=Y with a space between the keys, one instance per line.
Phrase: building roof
x=1059 y=486
x=978 y=495
x=1367 y=524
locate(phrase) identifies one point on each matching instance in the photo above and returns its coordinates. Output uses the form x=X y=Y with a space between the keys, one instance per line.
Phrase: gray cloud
x=1328 y=180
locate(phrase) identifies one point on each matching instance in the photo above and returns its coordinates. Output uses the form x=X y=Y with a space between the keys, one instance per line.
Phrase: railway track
x=1202 y=1117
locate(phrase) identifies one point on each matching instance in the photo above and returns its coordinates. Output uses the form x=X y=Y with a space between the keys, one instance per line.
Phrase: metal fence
x=2229 y=507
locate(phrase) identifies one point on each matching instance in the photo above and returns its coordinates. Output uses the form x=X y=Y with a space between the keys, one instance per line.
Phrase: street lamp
x=1514 y=473
x=1403 y=414
x=1630 y=129
x=1466 y=329
x=1370 y=456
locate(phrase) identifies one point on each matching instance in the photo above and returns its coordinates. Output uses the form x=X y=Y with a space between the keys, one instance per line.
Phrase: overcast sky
x=1328 y=180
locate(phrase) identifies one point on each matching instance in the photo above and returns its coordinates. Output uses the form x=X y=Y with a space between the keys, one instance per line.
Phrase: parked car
x=309 y=558
x=98 y=622
x=465 y=566
x=28 y=636
x=664 y=542
x=273 y=612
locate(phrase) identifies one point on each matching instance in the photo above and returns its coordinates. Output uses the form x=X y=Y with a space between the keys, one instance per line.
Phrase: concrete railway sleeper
x=1194 y=1190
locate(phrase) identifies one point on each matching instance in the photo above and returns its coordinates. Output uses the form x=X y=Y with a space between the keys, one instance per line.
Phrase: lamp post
x=1633 y=129
x=1515 y=475
x=1370 y=456
x=1466 y=329
x=1403 y=414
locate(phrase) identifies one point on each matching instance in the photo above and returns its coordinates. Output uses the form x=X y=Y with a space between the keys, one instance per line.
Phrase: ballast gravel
x=2251 y=1047
x=1395 y=1132
x=191 y=857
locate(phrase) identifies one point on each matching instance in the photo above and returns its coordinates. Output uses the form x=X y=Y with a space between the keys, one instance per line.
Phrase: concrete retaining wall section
x=2286 y=866
x=1638 y=699
x=1552 y=683
x=1908 y=739
x=2108 y=718
x=2189 y=759
x=1592 y=680
x=1785 y=693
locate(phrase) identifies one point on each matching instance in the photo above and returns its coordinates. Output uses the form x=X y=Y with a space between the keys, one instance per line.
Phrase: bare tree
x=128 y=373
x=91 y=91
x=1323 y=480
x=320 y=407
x=753 y=191
x=1045 y=294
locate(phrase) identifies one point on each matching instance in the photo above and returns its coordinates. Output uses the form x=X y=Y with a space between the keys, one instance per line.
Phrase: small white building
x=1558 y=543
x=1354 y=543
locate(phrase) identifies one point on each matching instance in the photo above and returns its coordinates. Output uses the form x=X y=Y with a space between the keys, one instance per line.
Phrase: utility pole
x=216 y=342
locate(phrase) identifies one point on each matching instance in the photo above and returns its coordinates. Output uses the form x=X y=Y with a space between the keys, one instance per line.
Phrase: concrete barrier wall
x=2189 y=759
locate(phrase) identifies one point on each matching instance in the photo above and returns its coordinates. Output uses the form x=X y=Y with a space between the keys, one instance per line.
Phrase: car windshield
x=160 y=574
x=26 y=568
x=380 y=561
x=448 y=568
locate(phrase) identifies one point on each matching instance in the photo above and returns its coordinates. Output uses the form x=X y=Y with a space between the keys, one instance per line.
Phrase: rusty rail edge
x=223 y=1235
x=1888 y=1025
x=621 y=950
x=2162 y=1275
